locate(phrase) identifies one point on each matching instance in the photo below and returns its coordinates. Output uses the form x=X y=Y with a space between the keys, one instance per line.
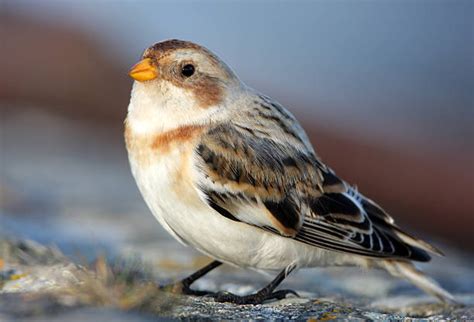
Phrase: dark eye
x=187 y=70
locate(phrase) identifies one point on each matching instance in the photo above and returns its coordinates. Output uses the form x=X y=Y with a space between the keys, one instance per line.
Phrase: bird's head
x=179 y=82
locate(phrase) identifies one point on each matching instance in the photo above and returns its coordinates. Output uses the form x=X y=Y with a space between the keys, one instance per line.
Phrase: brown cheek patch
x=208 y=92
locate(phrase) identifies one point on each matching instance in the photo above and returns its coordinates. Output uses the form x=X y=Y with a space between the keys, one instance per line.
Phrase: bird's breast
x=162 y=165
x=165 y=157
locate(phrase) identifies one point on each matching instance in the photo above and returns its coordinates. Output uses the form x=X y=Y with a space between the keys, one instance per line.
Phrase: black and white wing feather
x=262 y=171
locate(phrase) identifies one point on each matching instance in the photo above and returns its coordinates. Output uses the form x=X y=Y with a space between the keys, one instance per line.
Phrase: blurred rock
x=101 y=314
x=29 y=252
x=55 y=66
x=37 y=278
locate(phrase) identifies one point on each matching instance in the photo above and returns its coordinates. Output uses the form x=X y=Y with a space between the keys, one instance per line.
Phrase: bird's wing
x=281 y=186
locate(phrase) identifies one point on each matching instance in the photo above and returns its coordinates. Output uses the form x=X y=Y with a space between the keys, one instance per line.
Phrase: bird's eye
x=187 y=70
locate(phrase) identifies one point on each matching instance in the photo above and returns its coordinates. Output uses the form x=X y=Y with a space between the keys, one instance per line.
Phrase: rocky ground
x=109 y=254
x=39 y=282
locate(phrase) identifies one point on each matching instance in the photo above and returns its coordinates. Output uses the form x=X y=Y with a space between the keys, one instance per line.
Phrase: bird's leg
x=184 y=286
x=266 y=293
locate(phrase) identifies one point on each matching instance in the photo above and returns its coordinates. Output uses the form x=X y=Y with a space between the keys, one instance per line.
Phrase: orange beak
x=143 y=71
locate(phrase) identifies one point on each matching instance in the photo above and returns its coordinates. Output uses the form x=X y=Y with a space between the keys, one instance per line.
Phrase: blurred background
x=385 y=90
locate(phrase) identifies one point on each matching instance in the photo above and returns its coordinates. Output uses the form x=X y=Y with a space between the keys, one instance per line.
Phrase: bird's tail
x=409 y=272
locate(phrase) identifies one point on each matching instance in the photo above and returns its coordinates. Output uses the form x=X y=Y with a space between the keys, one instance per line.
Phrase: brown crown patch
x=208 y=92
x=164 y=48
x=172 y=44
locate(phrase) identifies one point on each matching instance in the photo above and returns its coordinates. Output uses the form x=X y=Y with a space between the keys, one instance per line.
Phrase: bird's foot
x=257 y=298
x=184 y=288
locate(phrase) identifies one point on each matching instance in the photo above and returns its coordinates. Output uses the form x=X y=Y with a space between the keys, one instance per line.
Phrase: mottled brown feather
x=299 y=196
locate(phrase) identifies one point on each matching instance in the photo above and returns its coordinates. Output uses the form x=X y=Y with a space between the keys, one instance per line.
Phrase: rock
x=40 y=282
x=29 y=252
x=28 y=279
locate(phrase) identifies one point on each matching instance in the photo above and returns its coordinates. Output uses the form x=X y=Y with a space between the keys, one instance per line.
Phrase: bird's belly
x=168 y=188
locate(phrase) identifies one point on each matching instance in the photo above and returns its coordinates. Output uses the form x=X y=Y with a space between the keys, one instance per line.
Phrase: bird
x=231 y=172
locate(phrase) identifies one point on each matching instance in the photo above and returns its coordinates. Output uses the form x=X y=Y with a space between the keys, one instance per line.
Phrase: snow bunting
x=231 y=172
